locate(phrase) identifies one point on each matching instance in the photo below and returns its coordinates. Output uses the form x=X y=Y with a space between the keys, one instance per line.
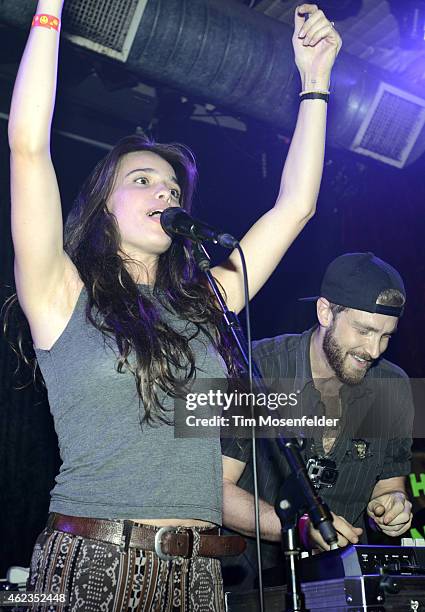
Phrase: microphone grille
x=170 y=218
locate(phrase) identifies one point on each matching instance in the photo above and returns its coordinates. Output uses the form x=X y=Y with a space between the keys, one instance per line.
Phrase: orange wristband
x=46 y=21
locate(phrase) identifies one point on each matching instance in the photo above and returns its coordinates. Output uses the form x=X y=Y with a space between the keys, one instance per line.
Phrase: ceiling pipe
x=221 y=52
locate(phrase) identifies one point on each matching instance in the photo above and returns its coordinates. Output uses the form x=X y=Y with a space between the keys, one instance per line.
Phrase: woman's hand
x=316 y=44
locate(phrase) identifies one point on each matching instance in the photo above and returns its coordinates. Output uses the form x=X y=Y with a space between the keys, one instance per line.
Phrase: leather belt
x=167 y=542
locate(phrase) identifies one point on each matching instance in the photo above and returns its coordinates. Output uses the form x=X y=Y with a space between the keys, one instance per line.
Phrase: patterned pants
x=99 y=576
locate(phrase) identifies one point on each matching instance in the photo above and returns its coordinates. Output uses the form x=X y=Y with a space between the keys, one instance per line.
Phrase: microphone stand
x=231 y=320
x=294 y=499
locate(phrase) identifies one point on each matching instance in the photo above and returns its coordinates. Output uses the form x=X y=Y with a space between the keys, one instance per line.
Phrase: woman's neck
x=141 y=269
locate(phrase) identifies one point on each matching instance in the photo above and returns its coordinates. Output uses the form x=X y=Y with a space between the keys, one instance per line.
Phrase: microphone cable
x=253 y=433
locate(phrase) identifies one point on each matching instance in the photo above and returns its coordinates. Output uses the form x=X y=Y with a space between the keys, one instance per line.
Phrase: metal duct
x=391 y=126
x=106 y=27
x=224 y=53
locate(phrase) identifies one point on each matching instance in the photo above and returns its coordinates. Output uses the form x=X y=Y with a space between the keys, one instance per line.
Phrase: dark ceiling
x=369 y=28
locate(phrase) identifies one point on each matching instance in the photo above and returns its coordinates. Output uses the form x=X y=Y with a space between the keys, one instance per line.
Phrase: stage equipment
x=356 y=578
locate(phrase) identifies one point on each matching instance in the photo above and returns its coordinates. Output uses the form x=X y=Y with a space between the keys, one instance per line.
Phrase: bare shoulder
x=50 y=315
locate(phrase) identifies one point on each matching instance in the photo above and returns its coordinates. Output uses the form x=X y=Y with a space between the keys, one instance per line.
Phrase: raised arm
x=316 y=45
x=40 y=263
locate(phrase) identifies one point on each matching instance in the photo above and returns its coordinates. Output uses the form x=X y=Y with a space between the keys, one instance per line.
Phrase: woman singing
x=121 y=322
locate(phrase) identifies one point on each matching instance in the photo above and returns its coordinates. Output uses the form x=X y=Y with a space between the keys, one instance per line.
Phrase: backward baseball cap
x=356 y=280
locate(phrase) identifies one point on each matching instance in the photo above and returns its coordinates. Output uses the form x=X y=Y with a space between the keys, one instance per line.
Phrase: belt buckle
x=158 y=542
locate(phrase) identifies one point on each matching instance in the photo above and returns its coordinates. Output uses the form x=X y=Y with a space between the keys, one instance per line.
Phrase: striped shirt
x=373 y=444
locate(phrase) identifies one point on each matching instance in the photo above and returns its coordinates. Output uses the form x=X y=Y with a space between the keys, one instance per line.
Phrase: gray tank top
x=111 y=468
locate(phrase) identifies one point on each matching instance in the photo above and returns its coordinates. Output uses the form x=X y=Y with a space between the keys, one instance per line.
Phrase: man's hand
x=346 y=533
x=392 y=512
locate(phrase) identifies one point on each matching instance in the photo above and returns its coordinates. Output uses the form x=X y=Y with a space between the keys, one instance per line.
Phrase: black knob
x=389 y=585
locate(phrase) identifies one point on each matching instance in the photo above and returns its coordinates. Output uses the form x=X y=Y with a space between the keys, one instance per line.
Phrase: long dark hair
x=161 y=358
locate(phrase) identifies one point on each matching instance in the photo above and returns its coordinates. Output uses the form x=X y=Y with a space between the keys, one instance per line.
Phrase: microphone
x=176 y=222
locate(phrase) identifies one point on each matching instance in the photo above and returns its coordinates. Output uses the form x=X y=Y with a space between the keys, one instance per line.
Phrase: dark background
x=363 y=206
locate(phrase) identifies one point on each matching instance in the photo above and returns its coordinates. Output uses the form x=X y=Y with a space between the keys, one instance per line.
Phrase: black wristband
x=314 y=96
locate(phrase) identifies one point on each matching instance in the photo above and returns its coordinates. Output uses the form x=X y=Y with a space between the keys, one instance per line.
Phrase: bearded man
x=337 y=370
